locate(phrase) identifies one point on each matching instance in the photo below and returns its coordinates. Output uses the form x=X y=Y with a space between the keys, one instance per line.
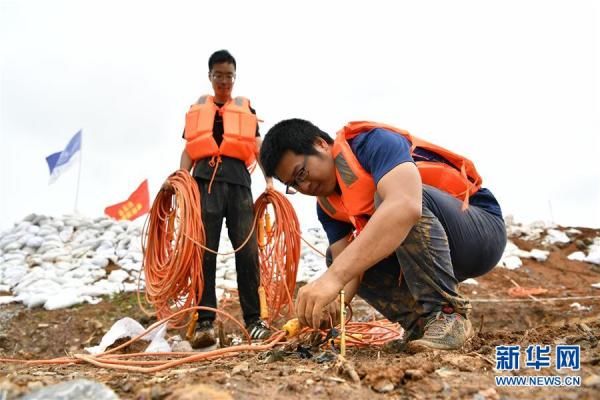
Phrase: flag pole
x=79 y=173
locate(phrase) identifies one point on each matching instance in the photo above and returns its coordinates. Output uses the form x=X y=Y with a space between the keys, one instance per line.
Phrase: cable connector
x=292 y=327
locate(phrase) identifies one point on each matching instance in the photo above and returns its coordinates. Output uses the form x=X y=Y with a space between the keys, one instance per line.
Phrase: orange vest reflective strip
x=357 y=200
x=239 y=130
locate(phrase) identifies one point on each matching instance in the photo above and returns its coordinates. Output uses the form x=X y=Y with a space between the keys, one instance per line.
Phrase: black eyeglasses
x=223 y=77
x=298 y=179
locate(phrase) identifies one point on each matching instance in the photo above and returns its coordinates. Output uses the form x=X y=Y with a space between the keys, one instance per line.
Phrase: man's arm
x=352 y=286
x=401 y=193
x=185 y=162
x=268 y=179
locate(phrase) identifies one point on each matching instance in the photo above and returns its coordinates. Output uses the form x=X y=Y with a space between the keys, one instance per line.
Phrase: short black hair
x=296 y=135
x=219 y=57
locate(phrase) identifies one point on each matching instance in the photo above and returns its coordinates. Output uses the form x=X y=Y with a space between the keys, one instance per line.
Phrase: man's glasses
x=223 y=77
x=298 y=179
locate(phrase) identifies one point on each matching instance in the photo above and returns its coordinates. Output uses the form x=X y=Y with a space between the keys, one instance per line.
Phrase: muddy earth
x=499 y=318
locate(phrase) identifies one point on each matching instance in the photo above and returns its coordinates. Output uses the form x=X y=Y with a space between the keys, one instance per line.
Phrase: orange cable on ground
x=114 y=361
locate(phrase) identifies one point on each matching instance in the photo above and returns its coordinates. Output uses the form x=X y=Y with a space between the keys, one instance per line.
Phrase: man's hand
x=167 y=187
x=315 y=296
x=269 y=182
x=331 y=314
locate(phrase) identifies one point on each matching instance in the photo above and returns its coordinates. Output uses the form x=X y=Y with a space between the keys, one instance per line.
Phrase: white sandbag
x=555 y=236
x=65 y=298
x=576 y=256
x=11 y=246
x=511 y=262
x=34 y=242
x=539 y=255
x=100 y=261
x=118 y=276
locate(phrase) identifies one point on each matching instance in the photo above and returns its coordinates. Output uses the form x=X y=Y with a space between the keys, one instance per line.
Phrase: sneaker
x=259 y=330
x=444 y=331
x=204 y=336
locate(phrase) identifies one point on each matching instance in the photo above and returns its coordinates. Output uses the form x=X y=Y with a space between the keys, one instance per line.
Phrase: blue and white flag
x=59 y=162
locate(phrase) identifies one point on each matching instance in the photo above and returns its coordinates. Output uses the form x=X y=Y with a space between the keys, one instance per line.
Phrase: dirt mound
x=568 y=312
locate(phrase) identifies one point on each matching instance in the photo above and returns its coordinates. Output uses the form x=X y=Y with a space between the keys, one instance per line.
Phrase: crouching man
x=406 y=221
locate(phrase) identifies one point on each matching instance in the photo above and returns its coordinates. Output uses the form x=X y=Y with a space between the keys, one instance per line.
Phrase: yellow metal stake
x=342 y=325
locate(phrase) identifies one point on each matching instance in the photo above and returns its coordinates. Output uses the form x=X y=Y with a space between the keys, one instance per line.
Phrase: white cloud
x=512 y=85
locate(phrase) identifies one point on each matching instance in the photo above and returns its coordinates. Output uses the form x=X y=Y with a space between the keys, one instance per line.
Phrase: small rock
x=200 y=391
x=433 y=385
x=272 y=356
x=445 y=372
x=156 y=393
x=9 y=390
x=592 y=381
x=579 y=307
x=383 y=386
x=34 y=385
x=487 y=394
x=414 y=374
x=182 y=347
x=221 y=378
x=309 y=381
x=241 y=367
x=447 y=388
x=325 y=356
x=126 y=387
x=73 y=390
x=584 y=327
x=292 y=387
x=580 y=244
x=319 y=389
x=3 y=340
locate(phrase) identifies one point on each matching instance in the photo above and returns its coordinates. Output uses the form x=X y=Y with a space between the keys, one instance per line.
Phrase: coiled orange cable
x=279 y=252
x=174 y=243
x=172 y=262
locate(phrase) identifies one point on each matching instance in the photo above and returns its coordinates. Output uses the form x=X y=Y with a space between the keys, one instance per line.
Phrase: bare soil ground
x=469 y=373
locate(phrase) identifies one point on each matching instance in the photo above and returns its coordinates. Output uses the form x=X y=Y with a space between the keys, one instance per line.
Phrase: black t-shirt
x=230 y=170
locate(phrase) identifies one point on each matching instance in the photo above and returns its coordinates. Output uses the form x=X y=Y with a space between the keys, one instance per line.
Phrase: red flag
x=137 y=204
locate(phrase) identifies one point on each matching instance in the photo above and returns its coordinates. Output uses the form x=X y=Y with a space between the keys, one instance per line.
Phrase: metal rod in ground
x=342 y=324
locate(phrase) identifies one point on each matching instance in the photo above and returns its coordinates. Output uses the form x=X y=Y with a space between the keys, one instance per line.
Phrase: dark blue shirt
x=378 y=152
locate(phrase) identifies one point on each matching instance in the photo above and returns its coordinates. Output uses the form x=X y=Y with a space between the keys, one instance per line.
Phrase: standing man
x=222 y=142
x=406 y=221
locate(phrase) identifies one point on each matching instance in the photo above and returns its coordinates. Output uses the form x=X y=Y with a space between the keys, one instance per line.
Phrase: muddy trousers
x=446 y=246
x=234 y=203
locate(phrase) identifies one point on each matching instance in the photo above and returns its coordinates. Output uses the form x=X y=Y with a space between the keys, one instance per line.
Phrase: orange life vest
x=356 y=202
x=239 y=130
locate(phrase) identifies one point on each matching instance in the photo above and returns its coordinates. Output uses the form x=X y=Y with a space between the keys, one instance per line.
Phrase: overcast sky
x=511 y=84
